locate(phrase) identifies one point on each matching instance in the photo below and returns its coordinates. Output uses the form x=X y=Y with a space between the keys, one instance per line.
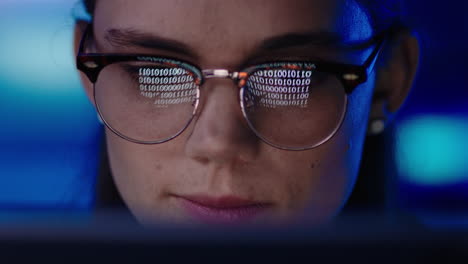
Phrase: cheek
x=323 y=183
x=354 y=129
x=140 y=173
x=327 y=186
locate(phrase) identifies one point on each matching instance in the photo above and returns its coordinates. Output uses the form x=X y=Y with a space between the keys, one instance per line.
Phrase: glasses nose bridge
x=220 y=73
x=237 y=77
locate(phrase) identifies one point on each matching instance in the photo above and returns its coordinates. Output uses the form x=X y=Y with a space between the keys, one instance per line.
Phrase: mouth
x=225 y=210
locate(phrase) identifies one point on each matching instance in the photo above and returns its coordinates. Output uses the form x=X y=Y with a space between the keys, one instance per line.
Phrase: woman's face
x=218 y=171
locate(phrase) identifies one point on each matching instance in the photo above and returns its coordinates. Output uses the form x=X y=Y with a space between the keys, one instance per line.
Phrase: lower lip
x=223 y=216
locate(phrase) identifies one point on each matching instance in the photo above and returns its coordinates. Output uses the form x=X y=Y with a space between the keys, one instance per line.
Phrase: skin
x=218 y=154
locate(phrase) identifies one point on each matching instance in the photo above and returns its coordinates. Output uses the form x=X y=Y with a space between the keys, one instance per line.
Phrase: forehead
x=207 y=25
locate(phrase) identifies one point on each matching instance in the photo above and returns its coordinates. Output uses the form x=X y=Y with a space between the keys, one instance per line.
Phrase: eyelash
x=133 y=71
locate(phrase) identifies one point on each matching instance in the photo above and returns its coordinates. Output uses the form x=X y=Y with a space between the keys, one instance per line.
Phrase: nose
x=221 y=134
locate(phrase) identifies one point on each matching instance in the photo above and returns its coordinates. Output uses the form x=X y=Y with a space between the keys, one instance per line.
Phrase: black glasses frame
x=351 y=76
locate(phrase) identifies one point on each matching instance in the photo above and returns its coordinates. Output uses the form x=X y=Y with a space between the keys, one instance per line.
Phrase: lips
x=222 y=210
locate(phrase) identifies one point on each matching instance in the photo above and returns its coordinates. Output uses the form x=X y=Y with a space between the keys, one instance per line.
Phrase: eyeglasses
x=291 y=105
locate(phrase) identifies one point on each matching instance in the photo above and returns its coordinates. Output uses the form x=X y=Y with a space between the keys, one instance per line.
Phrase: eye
x=319 y=78
x=131 y=71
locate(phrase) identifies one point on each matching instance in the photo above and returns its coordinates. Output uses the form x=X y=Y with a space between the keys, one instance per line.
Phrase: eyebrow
x=135 y=38
x=320 y=39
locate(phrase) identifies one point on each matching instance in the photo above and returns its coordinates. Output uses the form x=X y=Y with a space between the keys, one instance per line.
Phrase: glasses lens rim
x=281 y=66
x=170 y=63
x=122 y=135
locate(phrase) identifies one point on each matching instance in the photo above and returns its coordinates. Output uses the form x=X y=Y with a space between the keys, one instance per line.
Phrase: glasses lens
x=294 y=106
x=146 y=102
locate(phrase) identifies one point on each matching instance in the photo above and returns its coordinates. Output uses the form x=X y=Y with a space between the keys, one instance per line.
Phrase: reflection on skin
x=218 y=171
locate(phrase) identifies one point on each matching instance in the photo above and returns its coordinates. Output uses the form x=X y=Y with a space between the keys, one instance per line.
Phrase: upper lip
x=221 y=202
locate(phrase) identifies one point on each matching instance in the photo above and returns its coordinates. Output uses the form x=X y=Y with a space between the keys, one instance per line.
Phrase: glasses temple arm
x=370 y=62
x=86 y=32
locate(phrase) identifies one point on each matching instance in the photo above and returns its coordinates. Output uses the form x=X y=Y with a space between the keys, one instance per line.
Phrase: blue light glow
x=41 y=92
x=49 y=135
x=433 y=150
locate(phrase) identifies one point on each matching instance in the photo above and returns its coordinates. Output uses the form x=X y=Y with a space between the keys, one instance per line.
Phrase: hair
x=383 y=14
x=90 y=5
